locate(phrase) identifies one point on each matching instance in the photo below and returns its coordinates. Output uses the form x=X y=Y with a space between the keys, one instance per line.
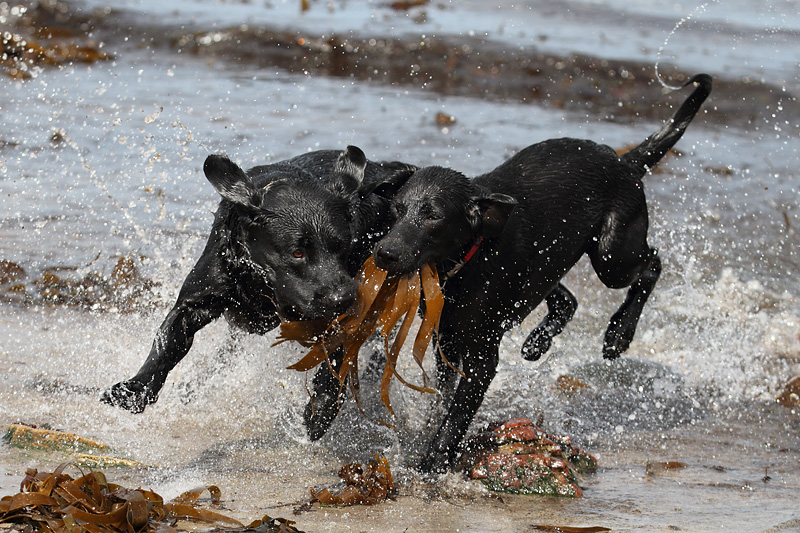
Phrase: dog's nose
x=339 y=300
x=343 y=299
x=385 y=257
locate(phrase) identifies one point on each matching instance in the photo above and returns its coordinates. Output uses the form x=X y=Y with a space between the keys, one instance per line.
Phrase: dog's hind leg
x=622 y=326
x=621 y=259
x=561 y=306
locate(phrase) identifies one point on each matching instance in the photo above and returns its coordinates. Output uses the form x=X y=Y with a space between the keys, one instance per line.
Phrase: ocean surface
x=104 y=209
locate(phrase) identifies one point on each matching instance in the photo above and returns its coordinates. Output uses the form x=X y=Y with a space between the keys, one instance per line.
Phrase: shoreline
x=446 y=65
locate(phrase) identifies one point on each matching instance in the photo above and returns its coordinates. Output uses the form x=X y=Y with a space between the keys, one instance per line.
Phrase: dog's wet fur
x=289 y=237
x=286 y=242
x=525 y=225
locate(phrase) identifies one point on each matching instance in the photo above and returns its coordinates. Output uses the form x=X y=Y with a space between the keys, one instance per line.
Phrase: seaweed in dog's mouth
x=382 y=303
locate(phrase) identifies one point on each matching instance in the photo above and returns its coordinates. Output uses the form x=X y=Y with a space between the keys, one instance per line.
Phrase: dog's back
x=566 y=190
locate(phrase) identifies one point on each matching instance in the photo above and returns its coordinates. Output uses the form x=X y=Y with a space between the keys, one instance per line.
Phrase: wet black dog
x=506 y=238
x=286 y=243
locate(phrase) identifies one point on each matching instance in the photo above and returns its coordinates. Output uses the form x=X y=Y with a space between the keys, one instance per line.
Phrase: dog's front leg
x=326 y=398
x=200 y=301
x=479 y=357
x=172 y=343
x=446 y=376
x=327 y=392
x=561 y=306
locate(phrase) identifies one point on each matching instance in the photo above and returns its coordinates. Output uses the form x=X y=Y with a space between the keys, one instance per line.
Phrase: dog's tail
x=655 y=146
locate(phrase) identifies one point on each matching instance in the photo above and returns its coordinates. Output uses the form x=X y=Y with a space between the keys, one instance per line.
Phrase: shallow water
x=123 y=178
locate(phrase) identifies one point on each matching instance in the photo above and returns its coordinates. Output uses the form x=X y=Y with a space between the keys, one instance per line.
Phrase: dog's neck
x=467 y=254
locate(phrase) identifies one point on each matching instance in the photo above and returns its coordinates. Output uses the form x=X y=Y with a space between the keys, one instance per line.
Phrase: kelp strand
x=382 y=302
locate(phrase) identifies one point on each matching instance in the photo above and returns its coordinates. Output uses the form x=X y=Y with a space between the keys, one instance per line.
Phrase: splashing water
x=697 y=10
x=718 y=338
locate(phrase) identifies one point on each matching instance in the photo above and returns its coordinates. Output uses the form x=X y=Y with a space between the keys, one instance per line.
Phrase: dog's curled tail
x=652 y=149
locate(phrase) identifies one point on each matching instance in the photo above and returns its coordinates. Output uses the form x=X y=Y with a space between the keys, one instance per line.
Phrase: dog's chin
x=396 y=269
x=291 y=313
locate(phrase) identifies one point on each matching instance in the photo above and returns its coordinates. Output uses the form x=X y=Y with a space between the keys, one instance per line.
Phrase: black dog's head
x=295 y=232
x=437 y=212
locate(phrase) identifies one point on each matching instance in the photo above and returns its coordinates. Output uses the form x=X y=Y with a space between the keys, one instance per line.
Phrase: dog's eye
x=298 y=254
x=430 y=214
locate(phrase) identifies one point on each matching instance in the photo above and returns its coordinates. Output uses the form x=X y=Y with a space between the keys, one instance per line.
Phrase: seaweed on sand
x=363 y=486
x=55 y=502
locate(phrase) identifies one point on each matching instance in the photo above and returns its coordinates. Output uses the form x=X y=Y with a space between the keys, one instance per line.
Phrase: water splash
x=190 y=136
x=95 y=178
x=697 y=10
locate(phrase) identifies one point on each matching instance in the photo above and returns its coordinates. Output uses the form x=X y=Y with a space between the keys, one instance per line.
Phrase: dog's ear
x=494 y=209
x=348 y=173
x=230 y=181
x=389 y=186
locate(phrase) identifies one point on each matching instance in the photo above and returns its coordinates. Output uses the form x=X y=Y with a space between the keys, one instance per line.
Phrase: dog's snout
x=343 y=299
x=334 y=301
x=385 y=256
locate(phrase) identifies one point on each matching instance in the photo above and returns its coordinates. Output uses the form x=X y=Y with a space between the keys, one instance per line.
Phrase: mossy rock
x=520 y=458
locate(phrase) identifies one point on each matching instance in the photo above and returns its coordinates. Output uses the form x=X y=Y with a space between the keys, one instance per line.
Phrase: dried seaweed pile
x=363 y=487
x=57 y=503
x=44 y=34
x=381 y=304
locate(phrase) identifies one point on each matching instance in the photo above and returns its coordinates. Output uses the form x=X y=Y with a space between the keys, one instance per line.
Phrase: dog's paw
x=433 y=465
x=536 y=345
x=130 y=395
x=617 y=341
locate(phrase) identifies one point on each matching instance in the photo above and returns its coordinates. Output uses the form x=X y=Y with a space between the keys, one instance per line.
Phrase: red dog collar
x=453 y=271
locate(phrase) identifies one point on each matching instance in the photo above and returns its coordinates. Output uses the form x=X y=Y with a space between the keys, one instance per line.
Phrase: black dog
x=503 y=255
x=286 y=243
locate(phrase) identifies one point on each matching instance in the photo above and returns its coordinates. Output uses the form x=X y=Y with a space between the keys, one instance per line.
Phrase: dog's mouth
x=397 y=260
x=383 y=302
x=323 y=305
x=317 y=314
x=398 y=271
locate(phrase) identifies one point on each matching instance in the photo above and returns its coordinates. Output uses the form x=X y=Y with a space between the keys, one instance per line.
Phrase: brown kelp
x=363 y=486
x=55 y=502
x=382 y=303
